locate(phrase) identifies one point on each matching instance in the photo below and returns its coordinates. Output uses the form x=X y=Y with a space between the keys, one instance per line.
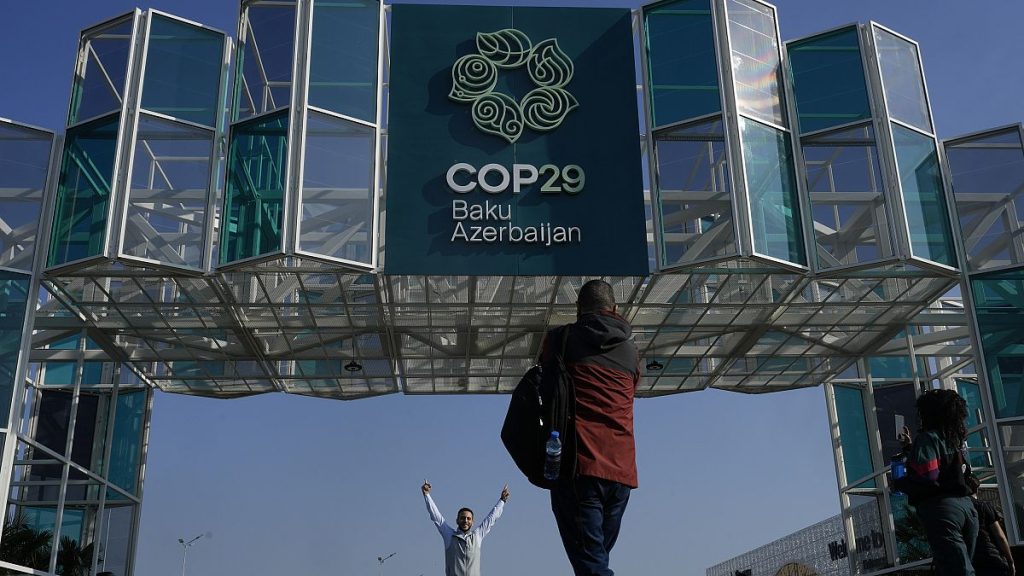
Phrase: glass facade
x=102 y=70
x=254 y=198
x=828 y=80
x=83 y=193
x=24 y=159
x=853 y=433
x=343 y=58
x=681 y=61
x=923 y=196
x=756 y=65
x=263 y=62
x=902 y=80
x=183 y=71
x=772 y=191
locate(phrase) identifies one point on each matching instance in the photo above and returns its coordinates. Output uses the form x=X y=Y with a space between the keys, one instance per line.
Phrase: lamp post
x=184 y=550
x=380 y=563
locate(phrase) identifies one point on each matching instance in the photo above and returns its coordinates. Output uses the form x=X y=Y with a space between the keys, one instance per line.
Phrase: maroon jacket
x=605 y=368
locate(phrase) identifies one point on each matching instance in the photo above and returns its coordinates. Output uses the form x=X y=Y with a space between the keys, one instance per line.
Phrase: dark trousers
x=951 y=525
x=589 y=513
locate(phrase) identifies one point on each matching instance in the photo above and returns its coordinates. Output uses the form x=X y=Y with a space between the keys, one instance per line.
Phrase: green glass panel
x=694 y=194
x=923 y=200
x=343 y=61
x=263 y=64
x=166 y=213
x=902 y=80
x=254 y=201
x=103 y=66
x=338 y=189
x=126 y=441
x=999 y=306
x=848 y=203
x=183 y=71
x=24 y=158
x=13 y=303
x=971 y=393
x=683 y=71
x=988 y=184
x=83 y=192
x=853 y=433
x=771 y=188
x=756 y=68
x=828 y=80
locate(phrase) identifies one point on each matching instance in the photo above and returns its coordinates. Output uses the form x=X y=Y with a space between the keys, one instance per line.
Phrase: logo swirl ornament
x=475 y=76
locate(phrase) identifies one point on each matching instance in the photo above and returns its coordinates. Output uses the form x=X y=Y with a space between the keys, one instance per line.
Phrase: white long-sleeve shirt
x=462 y=549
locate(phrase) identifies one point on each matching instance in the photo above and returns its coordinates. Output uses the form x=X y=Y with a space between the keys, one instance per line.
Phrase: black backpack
x=543 y=401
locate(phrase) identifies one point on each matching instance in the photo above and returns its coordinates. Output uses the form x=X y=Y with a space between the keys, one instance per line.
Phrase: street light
x=185 y=546
x=380 y=562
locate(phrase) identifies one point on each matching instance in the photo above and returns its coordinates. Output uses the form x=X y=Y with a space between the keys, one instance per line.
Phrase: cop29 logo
x=475 y=76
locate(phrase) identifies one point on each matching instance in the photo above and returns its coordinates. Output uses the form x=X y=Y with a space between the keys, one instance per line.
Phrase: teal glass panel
x=83 y=192
x=756 y=65
x=33 y=527
x=166 y=213
x=772 y=191
x=847 y=197
x=923 y=196
x=263 y=63
x=999 y=306
x=102 y=69
x=902 y=80
x=343 y=62
x=828 y=80
x=14 y=289
x=24 y=158
x=694 y=194
x=338 y=189
x=971 y=393
x=988 y=185
x=683 y=71
x=183 y=71
x=254 y=200
x=853 y=433
x=126 y=441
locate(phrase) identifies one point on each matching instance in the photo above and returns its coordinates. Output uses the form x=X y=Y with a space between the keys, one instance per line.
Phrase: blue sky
x=291 y=485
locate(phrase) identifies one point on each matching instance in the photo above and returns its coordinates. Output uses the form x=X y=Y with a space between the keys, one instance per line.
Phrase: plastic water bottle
x=553 y=457
x=898 y=467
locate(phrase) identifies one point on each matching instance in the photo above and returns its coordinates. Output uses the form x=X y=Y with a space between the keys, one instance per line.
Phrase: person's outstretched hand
x=425 y=488
x=904 y=438
x=504 y=493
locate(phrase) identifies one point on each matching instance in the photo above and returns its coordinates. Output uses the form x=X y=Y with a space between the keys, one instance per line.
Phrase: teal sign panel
x=513 y=143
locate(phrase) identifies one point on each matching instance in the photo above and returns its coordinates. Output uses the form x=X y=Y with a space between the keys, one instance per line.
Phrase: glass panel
x=337 y=189
x=13 y=303
x=921 y=181
x=694 y=194
x=28 y=535
x=1015 y=471
x=911 y=541
x=343 y=61
x=988 y=185
x=90 y=432
x=681 y=57
x=894 y=409
x=828 y=80
x=183 y=71
x=103 y=65
x=115 y=538
x=976 y=443
x=166 y=219
x=24 y=158
x=254 y=202
x=263 y=69
x=126 y=443
x=772 y=192
x=998 y=304
x=848 y=203
x=80 y=213
x=902 y=79
x=853 y=434
x=867 y=552
x=756 y=70
x=53 y=419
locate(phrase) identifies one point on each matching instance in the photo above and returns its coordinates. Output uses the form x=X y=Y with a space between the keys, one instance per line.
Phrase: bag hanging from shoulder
x=542 y=402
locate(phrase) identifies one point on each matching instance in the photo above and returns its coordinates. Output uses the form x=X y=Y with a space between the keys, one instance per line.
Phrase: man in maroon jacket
x=604 y=364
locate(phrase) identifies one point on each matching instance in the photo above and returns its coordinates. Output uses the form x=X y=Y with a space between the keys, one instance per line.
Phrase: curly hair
x=944 y=412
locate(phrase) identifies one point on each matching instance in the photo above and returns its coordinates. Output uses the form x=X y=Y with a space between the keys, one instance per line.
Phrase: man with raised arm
x=462 y=544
